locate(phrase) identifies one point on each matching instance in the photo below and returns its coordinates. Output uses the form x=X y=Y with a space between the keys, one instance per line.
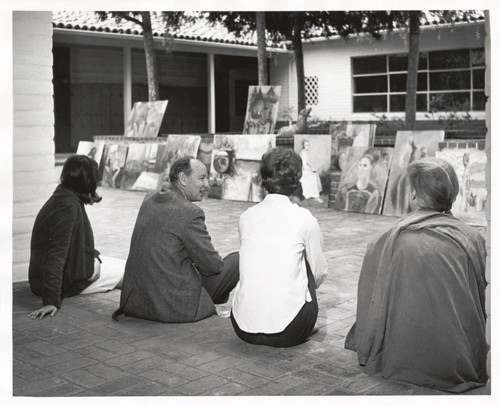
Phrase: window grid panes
x=447 y=81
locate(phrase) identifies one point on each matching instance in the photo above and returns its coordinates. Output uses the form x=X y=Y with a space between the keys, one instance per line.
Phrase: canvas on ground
x=234 y=173
x=364 y=180
x=145 y=119
x=409 y=146
x=470 y=167
x=177 y=146
x=262 y=109
x=141 y=157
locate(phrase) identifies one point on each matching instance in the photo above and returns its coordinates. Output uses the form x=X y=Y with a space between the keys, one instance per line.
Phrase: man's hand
x=41 y=313
x=97 y=271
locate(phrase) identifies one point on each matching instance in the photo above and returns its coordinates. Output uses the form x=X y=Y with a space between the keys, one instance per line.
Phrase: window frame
x=427 y=93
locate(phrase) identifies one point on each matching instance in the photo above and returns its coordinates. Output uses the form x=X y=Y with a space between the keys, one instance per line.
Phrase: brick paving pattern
x=83 y=352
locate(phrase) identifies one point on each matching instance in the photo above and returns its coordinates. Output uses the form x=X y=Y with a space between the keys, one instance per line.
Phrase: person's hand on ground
x=41 y=313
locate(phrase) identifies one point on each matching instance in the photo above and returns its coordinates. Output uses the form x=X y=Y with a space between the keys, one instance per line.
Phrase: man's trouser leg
x=219 y=286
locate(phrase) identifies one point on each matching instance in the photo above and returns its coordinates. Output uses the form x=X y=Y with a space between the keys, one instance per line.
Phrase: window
x=447 y=81
x=311 y=90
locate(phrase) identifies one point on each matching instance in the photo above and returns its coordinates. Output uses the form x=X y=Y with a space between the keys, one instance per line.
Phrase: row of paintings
x=372 y=180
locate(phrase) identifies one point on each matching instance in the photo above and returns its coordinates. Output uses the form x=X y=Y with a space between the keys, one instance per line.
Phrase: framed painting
x=113 y=163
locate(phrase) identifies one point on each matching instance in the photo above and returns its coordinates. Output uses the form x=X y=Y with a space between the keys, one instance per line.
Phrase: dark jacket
x=170 y=247
x=62 y=248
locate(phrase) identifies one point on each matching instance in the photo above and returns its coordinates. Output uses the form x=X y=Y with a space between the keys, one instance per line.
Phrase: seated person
x=281 y=261
x=421 y=294
x=173 y=273
x=63 y=260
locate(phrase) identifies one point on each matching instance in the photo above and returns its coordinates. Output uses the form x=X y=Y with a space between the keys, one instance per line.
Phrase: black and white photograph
x=309 y=217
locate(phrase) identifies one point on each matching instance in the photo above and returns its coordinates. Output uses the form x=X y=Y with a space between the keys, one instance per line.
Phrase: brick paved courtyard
x=82 y=352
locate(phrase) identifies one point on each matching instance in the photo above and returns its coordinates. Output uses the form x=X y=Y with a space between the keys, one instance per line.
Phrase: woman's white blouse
x=276 y=237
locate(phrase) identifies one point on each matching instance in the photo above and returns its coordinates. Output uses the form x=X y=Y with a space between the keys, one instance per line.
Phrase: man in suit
x=173 y=273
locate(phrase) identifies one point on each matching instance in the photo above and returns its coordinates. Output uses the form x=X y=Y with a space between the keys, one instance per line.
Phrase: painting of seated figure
x=146 y=119
x=364 y=180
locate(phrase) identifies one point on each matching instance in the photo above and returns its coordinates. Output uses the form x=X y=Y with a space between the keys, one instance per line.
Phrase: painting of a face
x=364 y=168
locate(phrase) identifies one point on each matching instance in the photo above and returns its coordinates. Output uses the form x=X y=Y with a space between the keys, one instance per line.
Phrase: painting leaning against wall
x=364 y=179
x=145 y=119
x=409 y=146
x=470 y=167
x=235 y=168
x=262 y=109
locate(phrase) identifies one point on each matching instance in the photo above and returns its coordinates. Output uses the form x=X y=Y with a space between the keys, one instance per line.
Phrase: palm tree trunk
x=411 y=80
x=261 y=47
x=152 y=72
x=299 y=62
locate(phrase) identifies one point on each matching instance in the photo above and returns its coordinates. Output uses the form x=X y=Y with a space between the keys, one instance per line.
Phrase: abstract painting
x=364 y=180
x=141 y=158
x=114 y=158
x=145 y=119
x=235 y=173
x=470 y=167
x=93 y=150
x=409 y=146
x=177 y=146
x=262 y=109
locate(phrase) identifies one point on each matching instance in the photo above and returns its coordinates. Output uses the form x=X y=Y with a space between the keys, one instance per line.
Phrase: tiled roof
x=201 y=30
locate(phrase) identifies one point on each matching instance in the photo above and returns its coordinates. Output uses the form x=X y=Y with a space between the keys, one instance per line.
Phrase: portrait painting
x=176 y=146
x=364 y=179
x=262 y=109
x=470 y=167
x=113 y=161
x=141 y=157
x=409 y=146
x=146 y=119
x=234 y=173
x=345 y=134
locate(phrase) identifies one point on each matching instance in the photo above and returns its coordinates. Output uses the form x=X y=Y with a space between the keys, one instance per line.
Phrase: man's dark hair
x=281 y=170
x=80 y=174
x=181 y=165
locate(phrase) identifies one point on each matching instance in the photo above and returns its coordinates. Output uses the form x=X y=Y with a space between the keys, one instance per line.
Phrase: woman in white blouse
x=281 y=260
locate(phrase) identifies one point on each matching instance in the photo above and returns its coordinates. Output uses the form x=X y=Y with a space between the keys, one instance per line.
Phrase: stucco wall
x=330 y=60
x=33 y=145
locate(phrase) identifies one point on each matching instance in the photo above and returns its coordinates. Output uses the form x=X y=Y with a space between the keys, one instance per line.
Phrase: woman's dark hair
x=80 y=174
x=181 y=165
x=281 y=170
x=435 y=183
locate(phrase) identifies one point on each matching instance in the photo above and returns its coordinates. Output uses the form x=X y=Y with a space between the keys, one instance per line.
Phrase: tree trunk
x=299 y=62
x=411 y=80
x=261 y=47
x=152 y=72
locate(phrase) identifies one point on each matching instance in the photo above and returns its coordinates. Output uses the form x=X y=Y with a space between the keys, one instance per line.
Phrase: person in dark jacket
x=173 y=273
x=64 y=261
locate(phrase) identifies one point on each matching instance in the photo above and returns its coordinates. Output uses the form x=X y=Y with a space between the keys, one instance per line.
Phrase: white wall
x=330 y=60
x=33 y=145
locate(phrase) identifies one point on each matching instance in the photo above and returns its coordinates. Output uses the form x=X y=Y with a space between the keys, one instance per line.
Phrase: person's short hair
x=80 y=174
x=181 y=165
x=435 y=183
x=281 y=170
